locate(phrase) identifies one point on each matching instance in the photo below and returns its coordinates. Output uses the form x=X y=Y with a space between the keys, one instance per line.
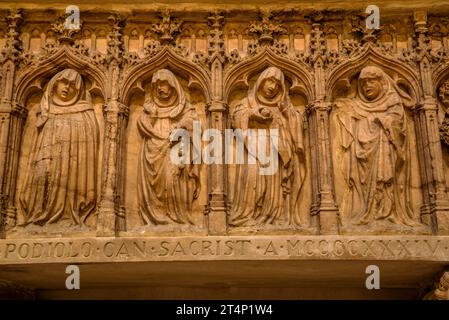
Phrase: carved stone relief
x=166 y=190
x=443 y=99
x=375 y=151
x=356 y=114
x=273 y=199
x=339 y=141
x=440 y=291
x=61 y=177
x=169 y=196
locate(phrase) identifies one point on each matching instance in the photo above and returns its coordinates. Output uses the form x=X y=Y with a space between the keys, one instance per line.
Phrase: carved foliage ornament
x=267 y=28
x=13 y=44
x=60 y=28
x=168 y=28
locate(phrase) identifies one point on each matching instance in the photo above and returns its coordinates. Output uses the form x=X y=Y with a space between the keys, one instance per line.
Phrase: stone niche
x=87 y=169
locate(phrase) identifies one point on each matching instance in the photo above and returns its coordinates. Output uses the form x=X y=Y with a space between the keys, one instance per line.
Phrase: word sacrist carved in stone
x=269 y=199
x=61 y=178
x=376 y=153
x=166 y=190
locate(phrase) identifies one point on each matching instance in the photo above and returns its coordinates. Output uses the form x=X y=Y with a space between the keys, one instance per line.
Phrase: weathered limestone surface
x=87 y=174
x=68 y=250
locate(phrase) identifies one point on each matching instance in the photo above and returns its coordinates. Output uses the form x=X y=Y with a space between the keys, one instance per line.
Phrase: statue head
x=270 y=87
x=65 y=90
x=372 y=83
x=65 y=87
x=164 y=97
x=165 y=88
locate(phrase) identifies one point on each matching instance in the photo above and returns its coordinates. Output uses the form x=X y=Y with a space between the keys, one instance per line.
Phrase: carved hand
x=263 y=115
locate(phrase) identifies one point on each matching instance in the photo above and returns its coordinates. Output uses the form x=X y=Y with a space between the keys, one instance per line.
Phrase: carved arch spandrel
x=440 y=79
x=195 y=82
x=197 y=77
x=371 y=56
x=342 y=83
x=301 y=75
x=440 y=74
x=30 y=80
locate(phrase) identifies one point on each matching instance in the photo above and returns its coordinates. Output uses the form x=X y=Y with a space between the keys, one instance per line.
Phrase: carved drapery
x=317 y=68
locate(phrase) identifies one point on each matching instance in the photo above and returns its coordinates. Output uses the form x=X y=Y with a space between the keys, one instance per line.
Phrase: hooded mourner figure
x=269 y=199
x=376 y=164
x=62 y=175
x=166 y=190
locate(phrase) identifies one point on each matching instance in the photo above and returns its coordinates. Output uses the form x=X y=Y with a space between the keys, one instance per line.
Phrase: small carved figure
x=61 y=180
x=376 y=161
x=166 y=190
x=269 y=199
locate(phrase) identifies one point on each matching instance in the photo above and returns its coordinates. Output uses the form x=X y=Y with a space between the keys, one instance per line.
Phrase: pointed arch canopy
x=300 y=74
x=372 y=55
x=198 y=78
x=440 y=74
x=32 y=80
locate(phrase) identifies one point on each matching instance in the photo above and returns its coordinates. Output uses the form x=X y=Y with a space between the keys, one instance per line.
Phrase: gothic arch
x=412 y=174
x=33 y=80
x=239 y=74
x=440 y=74
x=197 y=78
x=371 y=55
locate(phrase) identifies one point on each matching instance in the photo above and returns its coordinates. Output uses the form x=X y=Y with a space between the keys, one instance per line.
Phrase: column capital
x=319 y=105
x=216 y=106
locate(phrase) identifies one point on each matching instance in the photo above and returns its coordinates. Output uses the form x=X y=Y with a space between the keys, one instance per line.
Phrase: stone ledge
x=226 y=4
x=217 y=248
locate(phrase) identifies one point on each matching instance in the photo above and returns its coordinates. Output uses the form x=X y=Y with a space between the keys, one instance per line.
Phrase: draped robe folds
x=376 y=157
x=61 y=177
x=269 y=199
x=166 y=190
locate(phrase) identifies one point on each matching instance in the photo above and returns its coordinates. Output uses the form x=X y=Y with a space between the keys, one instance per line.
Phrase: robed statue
x=166 y=189
x=376 y=152
x=61 y=178
x=269 y=199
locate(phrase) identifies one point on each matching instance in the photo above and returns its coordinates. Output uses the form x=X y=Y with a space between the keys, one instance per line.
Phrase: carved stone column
x=324 y=209
x=12 y=119
x=217 y=177
x=111 y=212
x=435 y=210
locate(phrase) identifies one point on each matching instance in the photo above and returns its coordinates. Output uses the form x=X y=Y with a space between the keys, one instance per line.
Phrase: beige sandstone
x=87 y=178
